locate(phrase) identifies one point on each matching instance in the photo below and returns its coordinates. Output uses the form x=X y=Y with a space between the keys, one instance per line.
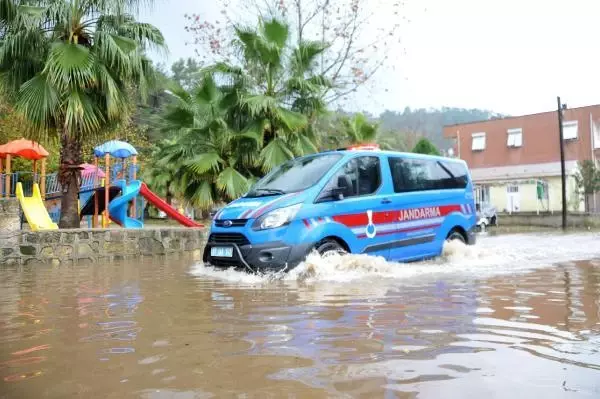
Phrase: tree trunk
x=69 y=177
x=586 y=202
x=169 y=197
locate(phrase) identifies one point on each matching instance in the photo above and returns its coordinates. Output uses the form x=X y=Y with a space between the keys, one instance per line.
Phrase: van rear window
x=423 y=174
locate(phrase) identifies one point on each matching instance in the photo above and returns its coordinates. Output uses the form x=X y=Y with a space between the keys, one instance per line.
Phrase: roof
x=517 y=116
x=550 y=169
x=115 y=148
x=23 y=148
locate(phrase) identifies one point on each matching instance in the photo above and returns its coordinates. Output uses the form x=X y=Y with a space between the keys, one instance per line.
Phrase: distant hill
x=409 y=125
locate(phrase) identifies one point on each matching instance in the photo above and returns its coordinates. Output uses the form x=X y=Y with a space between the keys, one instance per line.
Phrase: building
x=515 y=161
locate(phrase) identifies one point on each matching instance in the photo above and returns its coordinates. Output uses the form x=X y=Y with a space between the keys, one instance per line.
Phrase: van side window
x=422 y=175
x=459 y=171
x=359 y=176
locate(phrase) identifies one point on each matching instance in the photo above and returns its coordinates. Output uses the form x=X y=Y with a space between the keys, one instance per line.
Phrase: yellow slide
x=34 y=209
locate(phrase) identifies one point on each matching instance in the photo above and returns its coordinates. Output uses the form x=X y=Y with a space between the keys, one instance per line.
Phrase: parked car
x=487 y=215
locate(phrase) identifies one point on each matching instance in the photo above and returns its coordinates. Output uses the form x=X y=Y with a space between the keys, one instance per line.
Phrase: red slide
x=166 y=208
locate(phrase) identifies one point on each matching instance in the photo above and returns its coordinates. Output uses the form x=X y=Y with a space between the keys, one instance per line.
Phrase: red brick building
x=515 y=161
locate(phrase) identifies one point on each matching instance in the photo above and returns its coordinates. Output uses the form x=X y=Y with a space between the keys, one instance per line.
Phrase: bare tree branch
x=357 y=49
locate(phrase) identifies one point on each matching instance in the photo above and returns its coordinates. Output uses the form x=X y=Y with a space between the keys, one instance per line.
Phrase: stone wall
x=95 y=245
x=10 y=215
x=554 y=220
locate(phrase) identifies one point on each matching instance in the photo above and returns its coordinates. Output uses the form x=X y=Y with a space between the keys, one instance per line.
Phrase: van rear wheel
x=329 y=247
x=456 y=236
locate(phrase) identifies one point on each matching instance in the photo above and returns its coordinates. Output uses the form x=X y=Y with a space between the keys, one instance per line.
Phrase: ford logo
x=227 y=223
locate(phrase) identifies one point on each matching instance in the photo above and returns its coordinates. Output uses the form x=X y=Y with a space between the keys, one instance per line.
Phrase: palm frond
x=232 y=183
x=205 y=162
x=276 y=32
x=291 y=120
x=259 y=104
x=114 y=93
x=305 y=146
x=39 y=101
x=82 y=115
x=275 y=153
x=69 y=65
x=115 y=51
x=305 y=55
x=201 y=194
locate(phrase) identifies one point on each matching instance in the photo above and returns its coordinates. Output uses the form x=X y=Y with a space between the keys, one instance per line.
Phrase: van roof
x=395 y=153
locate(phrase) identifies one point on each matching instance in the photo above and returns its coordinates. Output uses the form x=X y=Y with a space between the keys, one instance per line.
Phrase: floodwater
x=516 y=316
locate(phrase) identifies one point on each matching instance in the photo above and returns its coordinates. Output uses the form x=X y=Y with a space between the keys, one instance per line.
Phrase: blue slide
x=118 y=206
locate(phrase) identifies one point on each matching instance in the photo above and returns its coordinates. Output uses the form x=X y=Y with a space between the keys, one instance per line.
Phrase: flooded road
x=517 y=316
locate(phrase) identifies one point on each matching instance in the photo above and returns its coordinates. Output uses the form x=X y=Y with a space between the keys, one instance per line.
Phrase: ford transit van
x=401 y=206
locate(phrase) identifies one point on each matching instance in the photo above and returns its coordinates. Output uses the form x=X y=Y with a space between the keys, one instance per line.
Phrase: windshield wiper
x=270 y=190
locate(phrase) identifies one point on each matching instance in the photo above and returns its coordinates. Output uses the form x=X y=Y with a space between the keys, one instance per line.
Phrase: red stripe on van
x=391 y=216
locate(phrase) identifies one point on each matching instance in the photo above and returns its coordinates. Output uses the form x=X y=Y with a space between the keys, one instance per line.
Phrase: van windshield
x=294 y=175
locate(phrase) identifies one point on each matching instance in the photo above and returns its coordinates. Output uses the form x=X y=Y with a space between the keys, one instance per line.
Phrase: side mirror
x=337 y=193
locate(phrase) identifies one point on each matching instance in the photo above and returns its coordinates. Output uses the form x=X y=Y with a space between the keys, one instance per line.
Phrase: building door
x=512 y=198
x=482 y=195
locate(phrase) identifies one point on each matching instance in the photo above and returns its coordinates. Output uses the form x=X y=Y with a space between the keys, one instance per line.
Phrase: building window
x=512 y=188
x=515 y=137
x=596 y=130
x=478 y=142
x=570 y=130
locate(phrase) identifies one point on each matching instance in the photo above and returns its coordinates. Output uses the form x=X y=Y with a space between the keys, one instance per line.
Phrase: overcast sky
x=509 y=56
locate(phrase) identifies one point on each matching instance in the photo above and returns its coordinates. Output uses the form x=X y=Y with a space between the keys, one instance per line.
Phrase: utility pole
x=562 y=165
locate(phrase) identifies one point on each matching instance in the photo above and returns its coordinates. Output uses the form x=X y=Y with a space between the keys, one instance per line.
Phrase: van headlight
x=276 y=218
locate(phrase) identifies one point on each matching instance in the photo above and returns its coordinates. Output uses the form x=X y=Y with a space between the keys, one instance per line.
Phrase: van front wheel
x=329 y=247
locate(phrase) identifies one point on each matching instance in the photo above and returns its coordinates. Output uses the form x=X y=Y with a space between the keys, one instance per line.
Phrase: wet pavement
x=516 y=316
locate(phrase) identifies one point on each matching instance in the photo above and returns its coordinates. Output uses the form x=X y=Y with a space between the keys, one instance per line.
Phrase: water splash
x=492 y=255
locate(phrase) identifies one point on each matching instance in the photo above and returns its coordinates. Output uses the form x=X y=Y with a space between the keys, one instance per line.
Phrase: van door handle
x=386 y=201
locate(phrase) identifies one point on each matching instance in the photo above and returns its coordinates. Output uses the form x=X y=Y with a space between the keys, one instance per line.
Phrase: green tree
x=205 y=161
x=587 y=180
x=238 y=121
x=275 y=94
x=66 y=66
x=359 y=130
x=425 y=146
x=185 y=72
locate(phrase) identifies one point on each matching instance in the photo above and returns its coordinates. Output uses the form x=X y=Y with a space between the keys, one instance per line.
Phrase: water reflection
x=151 y=329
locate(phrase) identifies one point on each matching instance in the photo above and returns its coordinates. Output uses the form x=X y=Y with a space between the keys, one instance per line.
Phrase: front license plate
x=221 y=252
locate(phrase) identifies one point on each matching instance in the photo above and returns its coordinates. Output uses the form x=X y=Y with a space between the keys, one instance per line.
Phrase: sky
x=508 y=56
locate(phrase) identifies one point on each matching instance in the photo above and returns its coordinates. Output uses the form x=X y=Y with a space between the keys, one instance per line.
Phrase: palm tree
x=237 y=122
x=161 y=174
x=275 y=93
x=213 y=162
x=359 y=130
x=67 y=66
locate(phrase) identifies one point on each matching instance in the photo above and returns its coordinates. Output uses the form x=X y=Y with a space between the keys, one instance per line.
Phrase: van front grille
x=228 y=238
x=234 y=223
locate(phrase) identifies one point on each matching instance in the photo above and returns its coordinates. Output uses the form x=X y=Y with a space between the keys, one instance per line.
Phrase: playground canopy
x=90 y=169
x=115 y=148
x=23 y=148
x=27 y=149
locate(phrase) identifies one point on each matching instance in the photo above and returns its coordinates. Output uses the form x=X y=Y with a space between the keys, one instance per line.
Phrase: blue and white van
x=401 y=206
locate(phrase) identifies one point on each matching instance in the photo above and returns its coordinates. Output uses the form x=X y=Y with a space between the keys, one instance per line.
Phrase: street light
x=561 y=108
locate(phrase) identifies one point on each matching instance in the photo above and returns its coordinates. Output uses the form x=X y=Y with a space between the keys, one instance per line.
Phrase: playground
x=110 y=192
